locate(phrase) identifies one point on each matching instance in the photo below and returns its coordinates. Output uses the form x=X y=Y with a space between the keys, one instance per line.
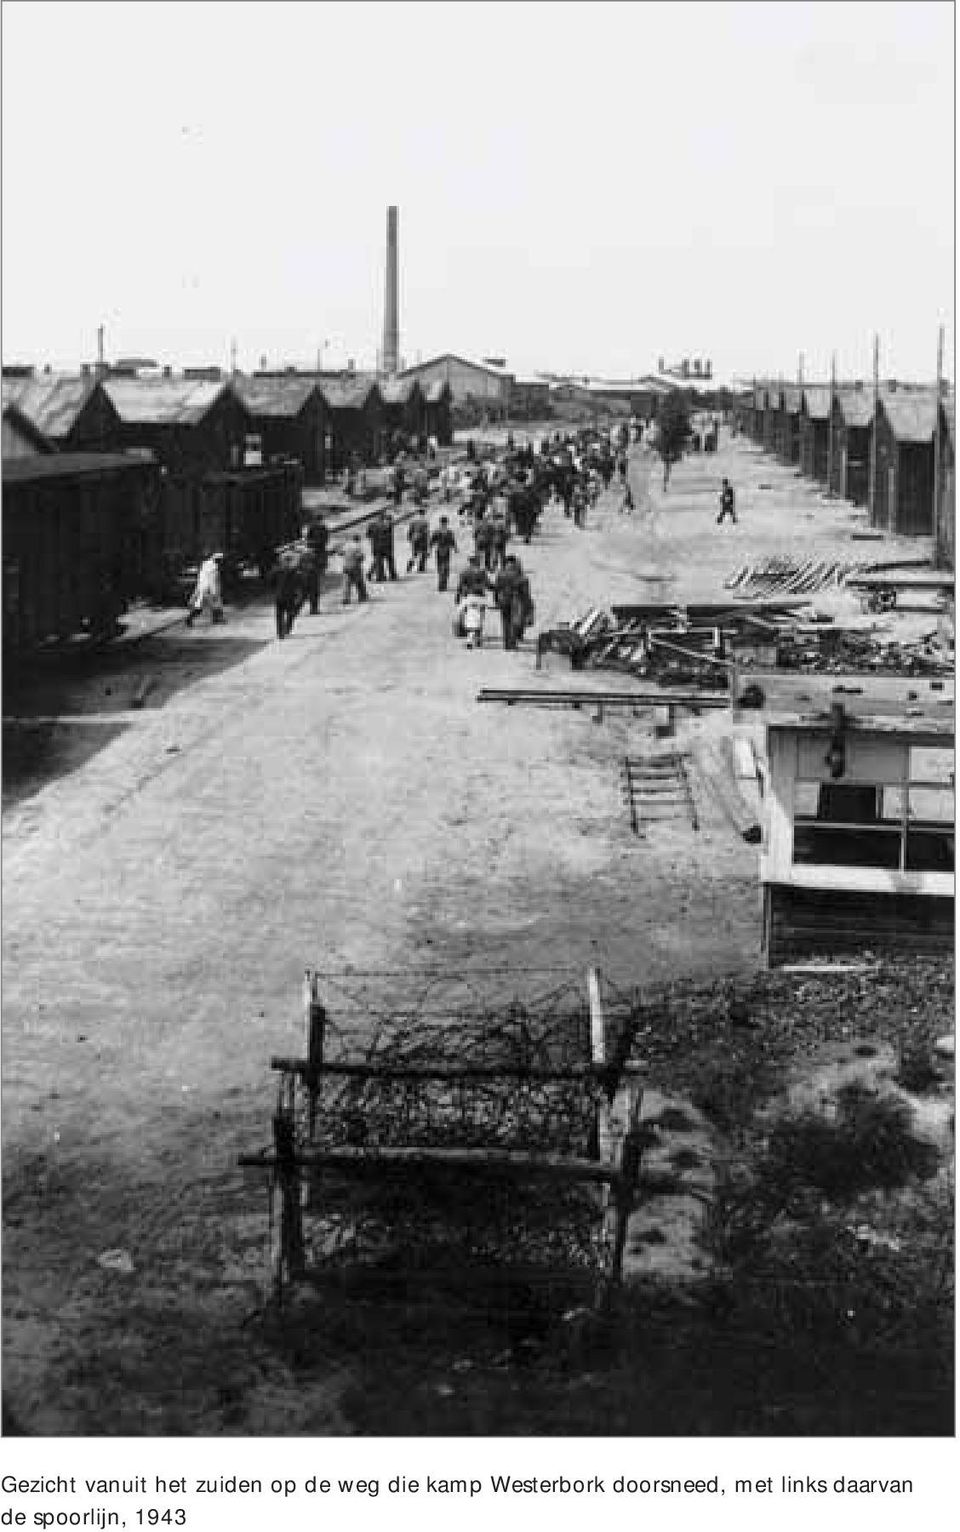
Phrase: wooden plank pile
x=782 y=576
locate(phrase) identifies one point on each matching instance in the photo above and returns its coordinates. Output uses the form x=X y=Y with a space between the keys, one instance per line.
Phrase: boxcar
x=74 y=535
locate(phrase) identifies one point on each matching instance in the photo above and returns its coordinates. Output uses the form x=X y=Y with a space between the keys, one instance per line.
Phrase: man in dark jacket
x=473 y=580
x=288 y=595
x=444 y=542
x=418 y=533
x=484 y=540
x=511 y=593
x=380 y=533
x=316 y=538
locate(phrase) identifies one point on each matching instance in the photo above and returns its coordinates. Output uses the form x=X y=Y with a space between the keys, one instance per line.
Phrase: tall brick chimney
x=391 y=319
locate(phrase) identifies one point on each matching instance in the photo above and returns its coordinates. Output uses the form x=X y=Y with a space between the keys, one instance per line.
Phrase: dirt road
x=336 y=799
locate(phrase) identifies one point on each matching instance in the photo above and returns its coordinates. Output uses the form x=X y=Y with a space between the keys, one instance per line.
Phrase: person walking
x=352 y=560
x=418 y=534
x=380 y=533
x=727 y=503
x=208 y=591
x=499 y=535
x=483 y=540
x=288 y=595
x=444 y=544
x=471 y=593
x=317 y=537
x=511 y=594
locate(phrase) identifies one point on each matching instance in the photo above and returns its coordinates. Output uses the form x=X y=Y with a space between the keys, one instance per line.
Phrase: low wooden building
x=71 y=412
x=193 y=426
x=815 y=432
x=403 y=408
x=355 y=421
x=903 y=492
x=773 y=419
x=438 y=411
x=852 y=421
x=73 y=543
x=858 y=839
x=946 y=515
x=210 y=501
x=288 y=421
x=788 y=446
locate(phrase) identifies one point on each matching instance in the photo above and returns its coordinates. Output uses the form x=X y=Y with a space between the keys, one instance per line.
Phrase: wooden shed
x=355 y=415
x=404 y=410
x=773 y=419
x=858 y=841
x=756 y=413
x=946 y=515
x=288 y=417
x=788 y=446
x=852 y=424
x=815 y=432
x=192 y=426
x=73 y=540
x=903 y=492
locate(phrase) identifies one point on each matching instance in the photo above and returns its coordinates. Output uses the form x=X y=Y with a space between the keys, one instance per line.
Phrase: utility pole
x=938 y=539
x=100 y=349
x=833 y=396
x=800 y=370
x=873 y=432
x=233 y=358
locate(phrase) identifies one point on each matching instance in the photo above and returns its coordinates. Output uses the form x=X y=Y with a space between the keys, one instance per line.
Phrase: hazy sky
x=581 y=186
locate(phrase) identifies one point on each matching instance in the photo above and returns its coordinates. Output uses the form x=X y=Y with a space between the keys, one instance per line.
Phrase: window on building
x=898 y=827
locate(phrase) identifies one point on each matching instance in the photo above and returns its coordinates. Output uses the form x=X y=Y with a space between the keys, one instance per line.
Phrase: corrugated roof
x=162 y=401
x=816 y=401
x=347 y=393
x=25 y=430
x=62 y=465
x=856 y=406
x=912 y=417
x=51 y=404
x=275 y=397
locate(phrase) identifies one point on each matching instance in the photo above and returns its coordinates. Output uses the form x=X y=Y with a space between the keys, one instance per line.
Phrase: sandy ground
x=336 y=799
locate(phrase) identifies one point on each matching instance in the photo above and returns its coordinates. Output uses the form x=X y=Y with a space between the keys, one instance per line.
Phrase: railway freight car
x=74 y=539
x=243 y=513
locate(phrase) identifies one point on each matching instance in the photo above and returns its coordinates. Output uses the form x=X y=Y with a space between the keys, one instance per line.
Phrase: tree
x=673 y=431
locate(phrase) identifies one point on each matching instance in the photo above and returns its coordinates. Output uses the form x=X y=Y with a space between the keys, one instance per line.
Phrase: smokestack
x=391 y=321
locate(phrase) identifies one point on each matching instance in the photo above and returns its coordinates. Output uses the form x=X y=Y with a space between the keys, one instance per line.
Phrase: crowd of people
x=488 y=504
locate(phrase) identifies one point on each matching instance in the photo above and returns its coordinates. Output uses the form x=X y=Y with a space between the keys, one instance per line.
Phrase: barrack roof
x=281 y=397
x=162 y=401
x=50 y=404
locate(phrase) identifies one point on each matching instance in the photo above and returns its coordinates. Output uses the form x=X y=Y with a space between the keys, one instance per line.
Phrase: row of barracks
x=894 y=453
x=211 y=425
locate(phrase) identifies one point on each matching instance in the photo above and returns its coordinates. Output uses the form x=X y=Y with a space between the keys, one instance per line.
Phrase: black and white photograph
x=478 y=766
